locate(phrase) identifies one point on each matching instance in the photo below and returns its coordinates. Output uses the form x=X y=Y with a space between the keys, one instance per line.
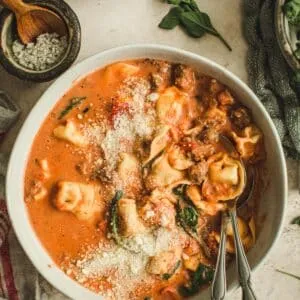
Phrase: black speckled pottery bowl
x=8 y=35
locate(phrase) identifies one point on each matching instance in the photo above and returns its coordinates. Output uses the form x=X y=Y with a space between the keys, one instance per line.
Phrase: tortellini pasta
x=177 y=158
x=162 y=174
x=117 y=72
x=247 y=143
x=172 y=108
x=246 y=231
x=131 y=223
x=129 y=174
x=83 y=200
x=70 y=133
x=226 y=178
x=159 y=143
x=159 y=209
x=164 y=262
x=209 y=208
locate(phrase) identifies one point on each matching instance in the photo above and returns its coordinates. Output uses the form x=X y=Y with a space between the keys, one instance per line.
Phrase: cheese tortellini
x=172 y=108
x=159 y=143
x=83 y=200
x=162 y=174
x=246 y=231
x=70 y=133
x=226 y=178
x=131 y=222
x=164 y=262
x=248 y=142
x=129 y=174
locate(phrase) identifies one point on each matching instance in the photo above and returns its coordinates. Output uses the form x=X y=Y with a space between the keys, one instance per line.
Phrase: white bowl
x=272 y=202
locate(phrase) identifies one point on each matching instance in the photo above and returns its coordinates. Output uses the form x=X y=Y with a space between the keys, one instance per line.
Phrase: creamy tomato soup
x=129 y=174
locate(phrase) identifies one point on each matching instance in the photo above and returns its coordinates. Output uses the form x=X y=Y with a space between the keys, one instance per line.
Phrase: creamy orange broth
x=67 y=238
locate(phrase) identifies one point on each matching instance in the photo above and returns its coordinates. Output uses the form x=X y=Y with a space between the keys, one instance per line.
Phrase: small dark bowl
x=8 y=35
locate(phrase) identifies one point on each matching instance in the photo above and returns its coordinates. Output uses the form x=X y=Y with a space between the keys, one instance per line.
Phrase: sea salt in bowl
x=41 y=67
x=271 y=205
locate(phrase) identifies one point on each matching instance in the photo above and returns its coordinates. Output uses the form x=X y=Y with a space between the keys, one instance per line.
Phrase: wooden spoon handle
x=17 y=6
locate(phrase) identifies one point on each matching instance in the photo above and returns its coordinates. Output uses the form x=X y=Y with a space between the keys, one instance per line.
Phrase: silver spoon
x=244 y=271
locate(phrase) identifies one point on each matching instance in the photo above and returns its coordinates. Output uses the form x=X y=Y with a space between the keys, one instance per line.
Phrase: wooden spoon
x=33 y=20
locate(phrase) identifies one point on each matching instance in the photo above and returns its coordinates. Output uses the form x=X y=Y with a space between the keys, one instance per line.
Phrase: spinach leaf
x=203 y=275
x=73 y=102
x=180 y=191
x=114 y=219
x=188 y=218
x=167 y=276
x=296 y=221
x=195 y=22
x=187 y=215
x=172 y=19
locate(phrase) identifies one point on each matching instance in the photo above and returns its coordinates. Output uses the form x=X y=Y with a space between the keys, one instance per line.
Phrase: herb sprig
x=203 y=275
x=73 y=102
x=195 y=22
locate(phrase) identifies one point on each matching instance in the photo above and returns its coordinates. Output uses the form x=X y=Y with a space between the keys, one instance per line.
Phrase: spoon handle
x=243 y=267
x=17 y=6
x=218 y=287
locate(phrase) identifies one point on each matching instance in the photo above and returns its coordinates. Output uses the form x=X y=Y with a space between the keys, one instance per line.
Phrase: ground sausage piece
x=225 y=98
x=161 y=78
x=184 y=78
x=202 y=151
x=241 y=117
x=198 y=172
x=208 y=136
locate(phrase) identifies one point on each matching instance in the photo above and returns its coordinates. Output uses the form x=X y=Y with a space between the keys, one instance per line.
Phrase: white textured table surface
x=109 y=23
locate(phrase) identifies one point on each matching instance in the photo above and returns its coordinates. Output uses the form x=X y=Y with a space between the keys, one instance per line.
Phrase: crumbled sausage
x=161 y=77
x=184 y=78
x=198 y=172
x=225 y=98
x=208 y=136
x=202 y=151
x=241 y=117
x=215 y=87
x=212 y=244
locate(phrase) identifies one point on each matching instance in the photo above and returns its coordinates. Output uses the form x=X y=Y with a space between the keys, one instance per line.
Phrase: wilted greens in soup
x=127 y=178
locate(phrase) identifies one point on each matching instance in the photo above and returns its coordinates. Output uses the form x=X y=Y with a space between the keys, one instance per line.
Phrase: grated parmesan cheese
x=41 y=55
x=129 y=126
x=118 y=264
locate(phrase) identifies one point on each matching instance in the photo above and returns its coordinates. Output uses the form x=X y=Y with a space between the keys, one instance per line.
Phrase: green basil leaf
x=172 y=19
x=190 y=5
x=296 y=221
x=196 y=24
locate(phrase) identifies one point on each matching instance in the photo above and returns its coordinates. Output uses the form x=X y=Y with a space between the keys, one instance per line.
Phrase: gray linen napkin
x=269 y=73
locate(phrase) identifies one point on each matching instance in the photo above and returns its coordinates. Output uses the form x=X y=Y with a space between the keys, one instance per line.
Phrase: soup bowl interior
x=272 y=202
